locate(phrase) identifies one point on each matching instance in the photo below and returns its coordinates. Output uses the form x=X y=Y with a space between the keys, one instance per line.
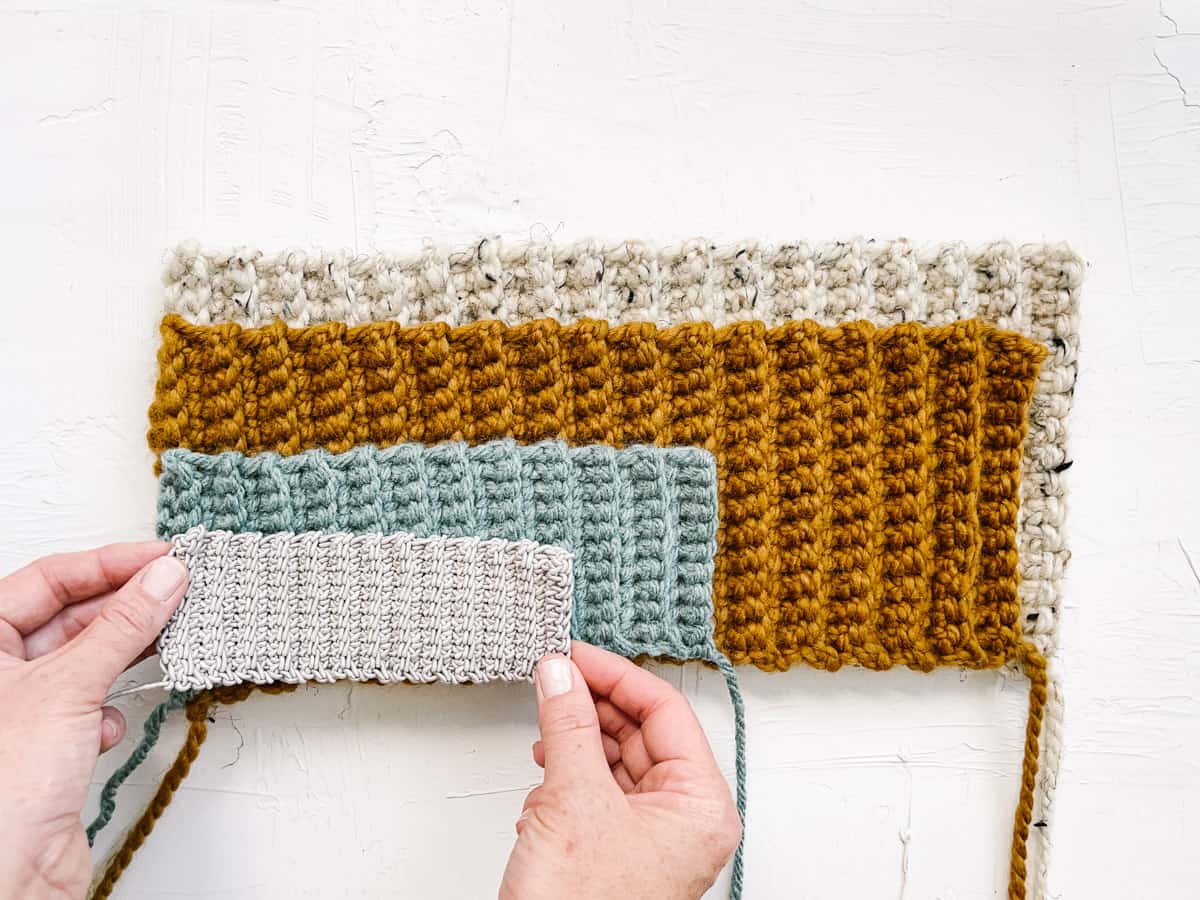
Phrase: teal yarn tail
x=739 y=736
x=150 y=733
x=714 y=656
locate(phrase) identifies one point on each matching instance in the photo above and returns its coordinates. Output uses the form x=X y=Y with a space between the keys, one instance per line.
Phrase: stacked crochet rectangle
x=1031 y=289
x=640 y=522
x=324 y=606
x=869 y=478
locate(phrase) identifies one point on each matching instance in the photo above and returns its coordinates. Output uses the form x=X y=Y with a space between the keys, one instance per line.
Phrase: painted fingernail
x=163 y=578
x=554 y=676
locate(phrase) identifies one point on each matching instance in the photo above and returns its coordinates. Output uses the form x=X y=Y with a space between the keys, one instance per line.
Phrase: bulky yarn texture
x=326 y=606
x=1032 y=289
x=868 y=478
x=640 y=522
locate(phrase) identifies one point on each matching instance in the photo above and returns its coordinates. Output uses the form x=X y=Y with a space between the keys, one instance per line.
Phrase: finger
x=612 y=749
x=64 y=627
x=531 y=800
x=571 y=739
x=669 y=728
x=112 y=728
x=33 y=595
x=128 y=623
x=624 y=780
x=11 y=643
x=629 y=737
x=614 y=722
x=68 y=624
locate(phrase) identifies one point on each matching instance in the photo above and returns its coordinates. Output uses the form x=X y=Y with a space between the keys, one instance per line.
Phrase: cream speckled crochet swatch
x=324 y=606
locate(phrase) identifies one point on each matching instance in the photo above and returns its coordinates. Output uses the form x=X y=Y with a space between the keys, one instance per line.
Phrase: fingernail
x=109 y=729
x=554 y=676
x=163 y=578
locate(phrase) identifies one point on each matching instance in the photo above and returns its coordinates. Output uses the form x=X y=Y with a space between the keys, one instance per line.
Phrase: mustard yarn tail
x=1034 y=665
x=197 y=713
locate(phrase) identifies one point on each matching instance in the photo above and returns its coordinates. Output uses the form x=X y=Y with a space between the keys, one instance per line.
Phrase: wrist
x=39 y=872
x=18 y=877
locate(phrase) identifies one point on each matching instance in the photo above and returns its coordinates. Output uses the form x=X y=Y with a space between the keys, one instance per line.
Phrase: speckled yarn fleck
x=328 y=606
x=868 y=478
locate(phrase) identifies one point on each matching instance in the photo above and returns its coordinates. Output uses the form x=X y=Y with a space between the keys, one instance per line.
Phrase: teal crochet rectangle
x=640 y=521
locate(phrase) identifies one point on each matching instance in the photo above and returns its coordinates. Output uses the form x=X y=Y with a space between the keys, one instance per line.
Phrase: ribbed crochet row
x=326 y=606
x=627 y=281
x=1032 y=289
x=869 y=478
x=640 y=522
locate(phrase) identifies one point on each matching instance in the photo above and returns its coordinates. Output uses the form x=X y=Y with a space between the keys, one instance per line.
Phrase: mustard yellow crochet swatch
x=868 y=476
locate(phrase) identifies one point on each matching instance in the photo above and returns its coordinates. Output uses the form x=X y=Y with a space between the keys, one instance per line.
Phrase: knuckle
x=533 y=797
x=725 y=836
x=129 y=615
x=566 y=719
x=719 y=830
x=552 y=818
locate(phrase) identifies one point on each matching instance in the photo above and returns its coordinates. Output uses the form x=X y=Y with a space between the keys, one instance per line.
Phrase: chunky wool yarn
x=197 y=707
x=1032 y=289
x=151 y=729
x=640 y=522
x=327 y=606
x=869 y=478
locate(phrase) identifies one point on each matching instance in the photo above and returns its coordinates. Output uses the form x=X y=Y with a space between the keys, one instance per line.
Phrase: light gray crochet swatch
x=325 y=606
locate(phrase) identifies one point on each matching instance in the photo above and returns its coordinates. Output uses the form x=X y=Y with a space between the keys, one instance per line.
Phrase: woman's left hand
x=69 y=626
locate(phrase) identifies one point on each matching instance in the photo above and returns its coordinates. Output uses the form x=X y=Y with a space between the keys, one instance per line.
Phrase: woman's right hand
x=632 y=803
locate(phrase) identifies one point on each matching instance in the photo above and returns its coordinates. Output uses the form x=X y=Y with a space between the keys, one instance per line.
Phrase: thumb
x=128 y=624
x=568 y=724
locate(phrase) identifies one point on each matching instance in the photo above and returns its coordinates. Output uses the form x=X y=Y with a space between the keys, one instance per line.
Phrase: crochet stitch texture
x=1032 y=289
x=869 y=478
x=640 y=522
x=324 y=606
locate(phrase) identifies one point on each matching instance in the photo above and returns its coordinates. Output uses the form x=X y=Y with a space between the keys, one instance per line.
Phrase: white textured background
x=125 y=127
